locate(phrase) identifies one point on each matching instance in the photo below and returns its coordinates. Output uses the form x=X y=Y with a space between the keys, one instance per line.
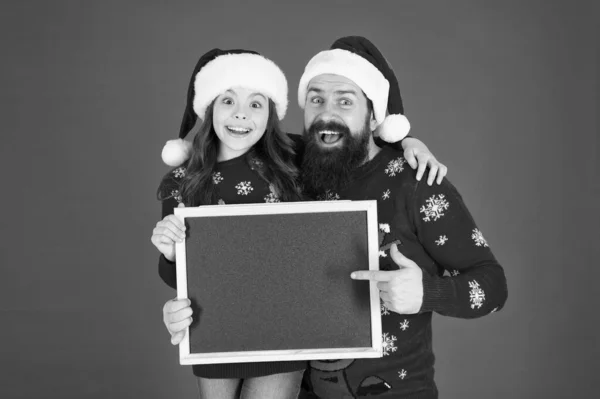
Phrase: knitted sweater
x=461 y=278
x=237 y=182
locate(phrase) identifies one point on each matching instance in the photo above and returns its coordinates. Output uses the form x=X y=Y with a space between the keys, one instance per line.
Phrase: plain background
x=505 y=93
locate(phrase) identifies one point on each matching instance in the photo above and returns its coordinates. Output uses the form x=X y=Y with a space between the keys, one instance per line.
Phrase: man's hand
x=400 y=290
x=166 y=233
x=177 y=316
x=418 y=155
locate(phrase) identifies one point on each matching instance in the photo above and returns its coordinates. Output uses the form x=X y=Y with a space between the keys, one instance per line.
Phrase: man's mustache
x=333 y=126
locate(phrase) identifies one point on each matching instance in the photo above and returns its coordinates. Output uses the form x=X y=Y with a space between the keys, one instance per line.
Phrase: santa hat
x=216 y=72
x=357 y=59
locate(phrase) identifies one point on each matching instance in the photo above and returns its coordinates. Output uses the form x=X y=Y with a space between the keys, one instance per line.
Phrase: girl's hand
x=416 y=154
x=177 y=316
x=166 y=233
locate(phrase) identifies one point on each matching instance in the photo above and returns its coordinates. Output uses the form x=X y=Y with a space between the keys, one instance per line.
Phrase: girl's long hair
x=274 y=150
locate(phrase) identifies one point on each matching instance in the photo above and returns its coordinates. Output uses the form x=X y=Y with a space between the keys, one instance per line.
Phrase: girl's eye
x=256 y=105
x=227 y=101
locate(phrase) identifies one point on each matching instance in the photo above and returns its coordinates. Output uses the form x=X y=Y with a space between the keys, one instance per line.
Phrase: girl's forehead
x=239 y=91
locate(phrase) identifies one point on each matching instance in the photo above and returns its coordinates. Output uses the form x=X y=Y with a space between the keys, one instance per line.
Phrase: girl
x=239 y=155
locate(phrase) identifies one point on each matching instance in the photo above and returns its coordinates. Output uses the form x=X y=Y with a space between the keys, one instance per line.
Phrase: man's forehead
x=331 y=81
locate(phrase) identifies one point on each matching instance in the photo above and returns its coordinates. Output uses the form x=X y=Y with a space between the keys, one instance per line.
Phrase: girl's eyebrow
x=258 y=94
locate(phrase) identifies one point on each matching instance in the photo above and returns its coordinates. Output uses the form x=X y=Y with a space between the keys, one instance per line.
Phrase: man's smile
x=329 y=136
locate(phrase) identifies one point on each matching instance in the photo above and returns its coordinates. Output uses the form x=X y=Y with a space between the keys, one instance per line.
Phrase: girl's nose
x=240 y=115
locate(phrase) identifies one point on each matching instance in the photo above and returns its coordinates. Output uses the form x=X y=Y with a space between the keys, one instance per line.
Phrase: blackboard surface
x=267 y=282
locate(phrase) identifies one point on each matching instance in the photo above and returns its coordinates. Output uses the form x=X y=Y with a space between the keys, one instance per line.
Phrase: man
x=346 y=93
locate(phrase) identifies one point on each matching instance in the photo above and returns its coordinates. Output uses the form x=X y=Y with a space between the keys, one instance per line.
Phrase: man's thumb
x=181 y=205
x=400 y=259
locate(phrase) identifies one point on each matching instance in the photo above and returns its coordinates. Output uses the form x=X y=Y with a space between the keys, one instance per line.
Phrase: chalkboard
x=272 y=282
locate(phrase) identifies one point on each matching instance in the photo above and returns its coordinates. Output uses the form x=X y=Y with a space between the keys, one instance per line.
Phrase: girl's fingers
x=179 y=326
x=175 y=220
x=441 y=174
x=421 y=169
x=433 y=170
x=174 y=227
x=175 y=305
x=177 y=337
x=182 y=314
x=169 y=233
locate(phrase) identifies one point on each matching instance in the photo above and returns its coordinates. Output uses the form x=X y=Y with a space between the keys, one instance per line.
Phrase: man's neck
x=373 y=150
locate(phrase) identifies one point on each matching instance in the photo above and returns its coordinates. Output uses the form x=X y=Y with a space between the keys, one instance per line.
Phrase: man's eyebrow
x=337 y=92
x=342 y=92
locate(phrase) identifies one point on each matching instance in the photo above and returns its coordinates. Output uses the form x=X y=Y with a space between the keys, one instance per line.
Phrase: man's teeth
x=238 y=129
x=329 y=137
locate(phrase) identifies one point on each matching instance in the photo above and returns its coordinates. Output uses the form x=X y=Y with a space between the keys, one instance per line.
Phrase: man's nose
x=328 y=113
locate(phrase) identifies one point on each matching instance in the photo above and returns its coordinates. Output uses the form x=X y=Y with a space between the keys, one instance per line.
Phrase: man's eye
x=316 y=100
x=346 y=102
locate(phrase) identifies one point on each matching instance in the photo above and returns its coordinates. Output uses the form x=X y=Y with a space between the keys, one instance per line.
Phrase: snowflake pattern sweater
x=237 y=182
x=461 y=278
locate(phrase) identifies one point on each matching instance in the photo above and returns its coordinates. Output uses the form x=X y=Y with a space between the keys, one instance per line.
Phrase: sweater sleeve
x=476 y=284
x=168 y=193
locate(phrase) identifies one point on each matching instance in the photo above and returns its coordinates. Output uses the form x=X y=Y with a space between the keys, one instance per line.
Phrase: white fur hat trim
x=176 y=152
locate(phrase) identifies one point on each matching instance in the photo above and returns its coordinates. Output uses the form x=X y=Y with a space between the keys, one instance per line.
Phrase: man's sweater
x=461 y=278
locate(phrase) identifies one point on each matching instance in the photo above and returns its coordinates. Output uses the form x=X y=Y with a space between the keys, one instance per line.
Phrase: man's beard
x=332 y=168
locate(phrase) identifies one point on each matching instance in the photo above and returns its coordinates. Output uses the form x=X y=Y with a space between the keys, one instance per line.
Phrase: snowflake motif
x=455 y=273
x=244 y=187
x=179 y=172
x=328 y=196
x=389 y=344
x=404 y=325
x=435 y=207
x=256 y=164
x=384 y=310
x=442 y=240
x=177 y=195
x=478 y=238
x=384 y=227
x=495 y=309
x=386 y=194
x=221 y=202
x=402 y=374
x=477 y=296
x=217 y=178
x=272 y=196
x=382 y=254
x=395 y=166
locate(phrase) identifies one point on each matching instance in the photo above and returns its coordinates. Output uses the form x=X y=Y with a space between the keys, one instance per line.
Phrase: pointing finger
x=372 y=275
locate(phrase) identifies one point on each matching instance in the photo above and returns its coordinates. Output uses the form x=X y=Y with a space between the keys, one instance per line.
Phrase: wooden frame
x=366 y=208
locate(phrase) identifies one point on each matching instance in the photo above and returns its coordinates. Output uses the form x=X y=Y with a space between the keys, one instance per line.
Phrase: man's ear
x=373 y=122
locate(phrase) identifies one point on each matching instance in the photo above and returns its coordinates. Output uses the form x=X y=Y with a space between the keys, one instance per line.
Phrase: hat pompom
x=394 y=128
x=175 y=152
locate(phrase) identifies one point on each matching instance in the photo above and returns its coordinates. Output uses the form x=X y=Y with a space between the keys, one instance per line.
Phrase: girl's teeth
x=238 y=129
